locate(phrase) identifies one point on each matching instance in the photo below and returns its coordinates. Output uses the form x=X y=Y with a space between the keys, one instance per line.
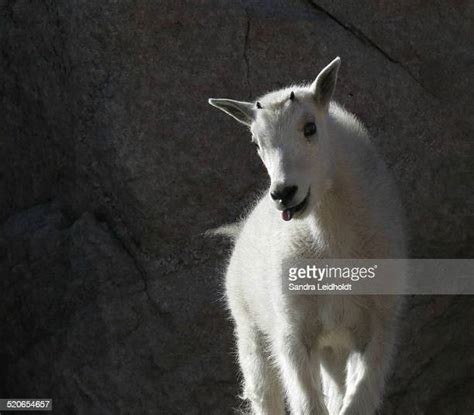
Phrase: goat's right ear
x=241 y=111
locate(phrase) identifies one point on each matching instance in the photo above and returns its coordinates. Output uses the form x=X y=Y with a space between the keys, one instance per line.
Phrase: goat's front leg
x=334 y=361
x=368 y=371
x=300 y=372
x=261 y=383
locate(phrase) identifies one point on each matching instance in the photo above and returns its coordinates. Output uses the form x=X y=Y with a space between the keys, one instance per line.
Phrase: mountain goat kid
x=326 y=354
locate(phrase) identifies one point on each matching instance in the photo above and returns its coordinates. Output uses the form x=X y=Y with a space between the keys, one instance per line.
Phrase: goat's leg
x=261 y=383
x=300 y=372
x=333 y=362
x=366 y=383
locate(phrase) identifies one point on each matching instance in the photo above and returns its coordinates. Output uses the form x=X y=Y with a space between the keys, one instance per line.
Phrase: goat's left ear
x=241 y=111
x=325 y=83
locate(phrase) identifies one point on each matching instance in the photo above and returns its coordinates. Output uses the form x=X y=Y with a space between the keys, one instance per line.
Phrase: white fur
x=325 y=354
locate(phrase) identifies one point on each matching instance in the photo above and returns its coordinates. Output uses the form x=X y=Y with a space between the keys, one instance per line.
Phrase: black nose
x=284 y=194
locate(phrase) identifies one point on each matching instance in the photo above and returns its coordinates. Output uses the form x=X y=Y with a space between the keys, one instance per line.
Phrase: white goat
x=330 y=354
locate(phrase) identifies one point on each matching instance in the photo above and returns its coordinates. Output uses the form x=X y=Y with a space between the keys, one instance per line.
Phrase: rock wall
x=112 y=165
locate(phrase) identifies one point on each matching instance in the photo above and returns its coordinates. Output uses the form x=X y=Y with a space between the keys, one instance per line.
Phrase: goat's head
x=289 y=129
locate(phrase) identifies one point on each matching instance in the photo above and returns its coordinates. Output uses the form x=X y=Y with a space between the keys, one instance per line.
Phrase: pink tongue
x=286 y=215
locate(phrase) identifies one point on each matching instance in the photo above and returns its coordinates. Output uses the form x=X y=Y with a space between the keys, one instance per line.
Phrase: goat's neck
x=336 y=221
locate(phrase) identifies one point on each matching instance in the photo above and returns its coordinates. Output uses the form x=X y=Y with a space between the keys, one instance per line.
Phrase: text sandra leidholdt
x=385 y=276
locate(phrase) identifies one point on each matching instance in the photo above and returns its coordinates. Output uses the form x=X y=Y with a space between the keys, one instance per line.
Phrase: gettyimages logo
x=327 y=278
x=379 y=276
x=328 y=272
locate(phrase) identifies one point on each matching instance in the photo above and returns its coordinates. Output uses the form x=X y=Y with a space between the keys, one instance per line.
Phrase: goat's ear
x=325 y=83
x=241 y=111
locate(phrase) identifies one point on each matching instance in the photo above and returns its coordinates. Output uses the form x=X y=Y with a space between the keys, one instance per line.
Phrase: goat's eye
x=309 y=129
x=256 y=145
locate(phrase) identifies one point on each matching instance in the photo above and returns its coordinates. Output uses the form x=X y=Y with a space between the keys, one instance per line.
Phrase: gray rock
x=112 y=166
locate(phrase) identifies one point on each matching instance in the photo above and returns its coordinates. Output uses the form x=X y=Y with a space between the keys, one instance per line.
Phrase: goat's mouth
x=288 y=214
